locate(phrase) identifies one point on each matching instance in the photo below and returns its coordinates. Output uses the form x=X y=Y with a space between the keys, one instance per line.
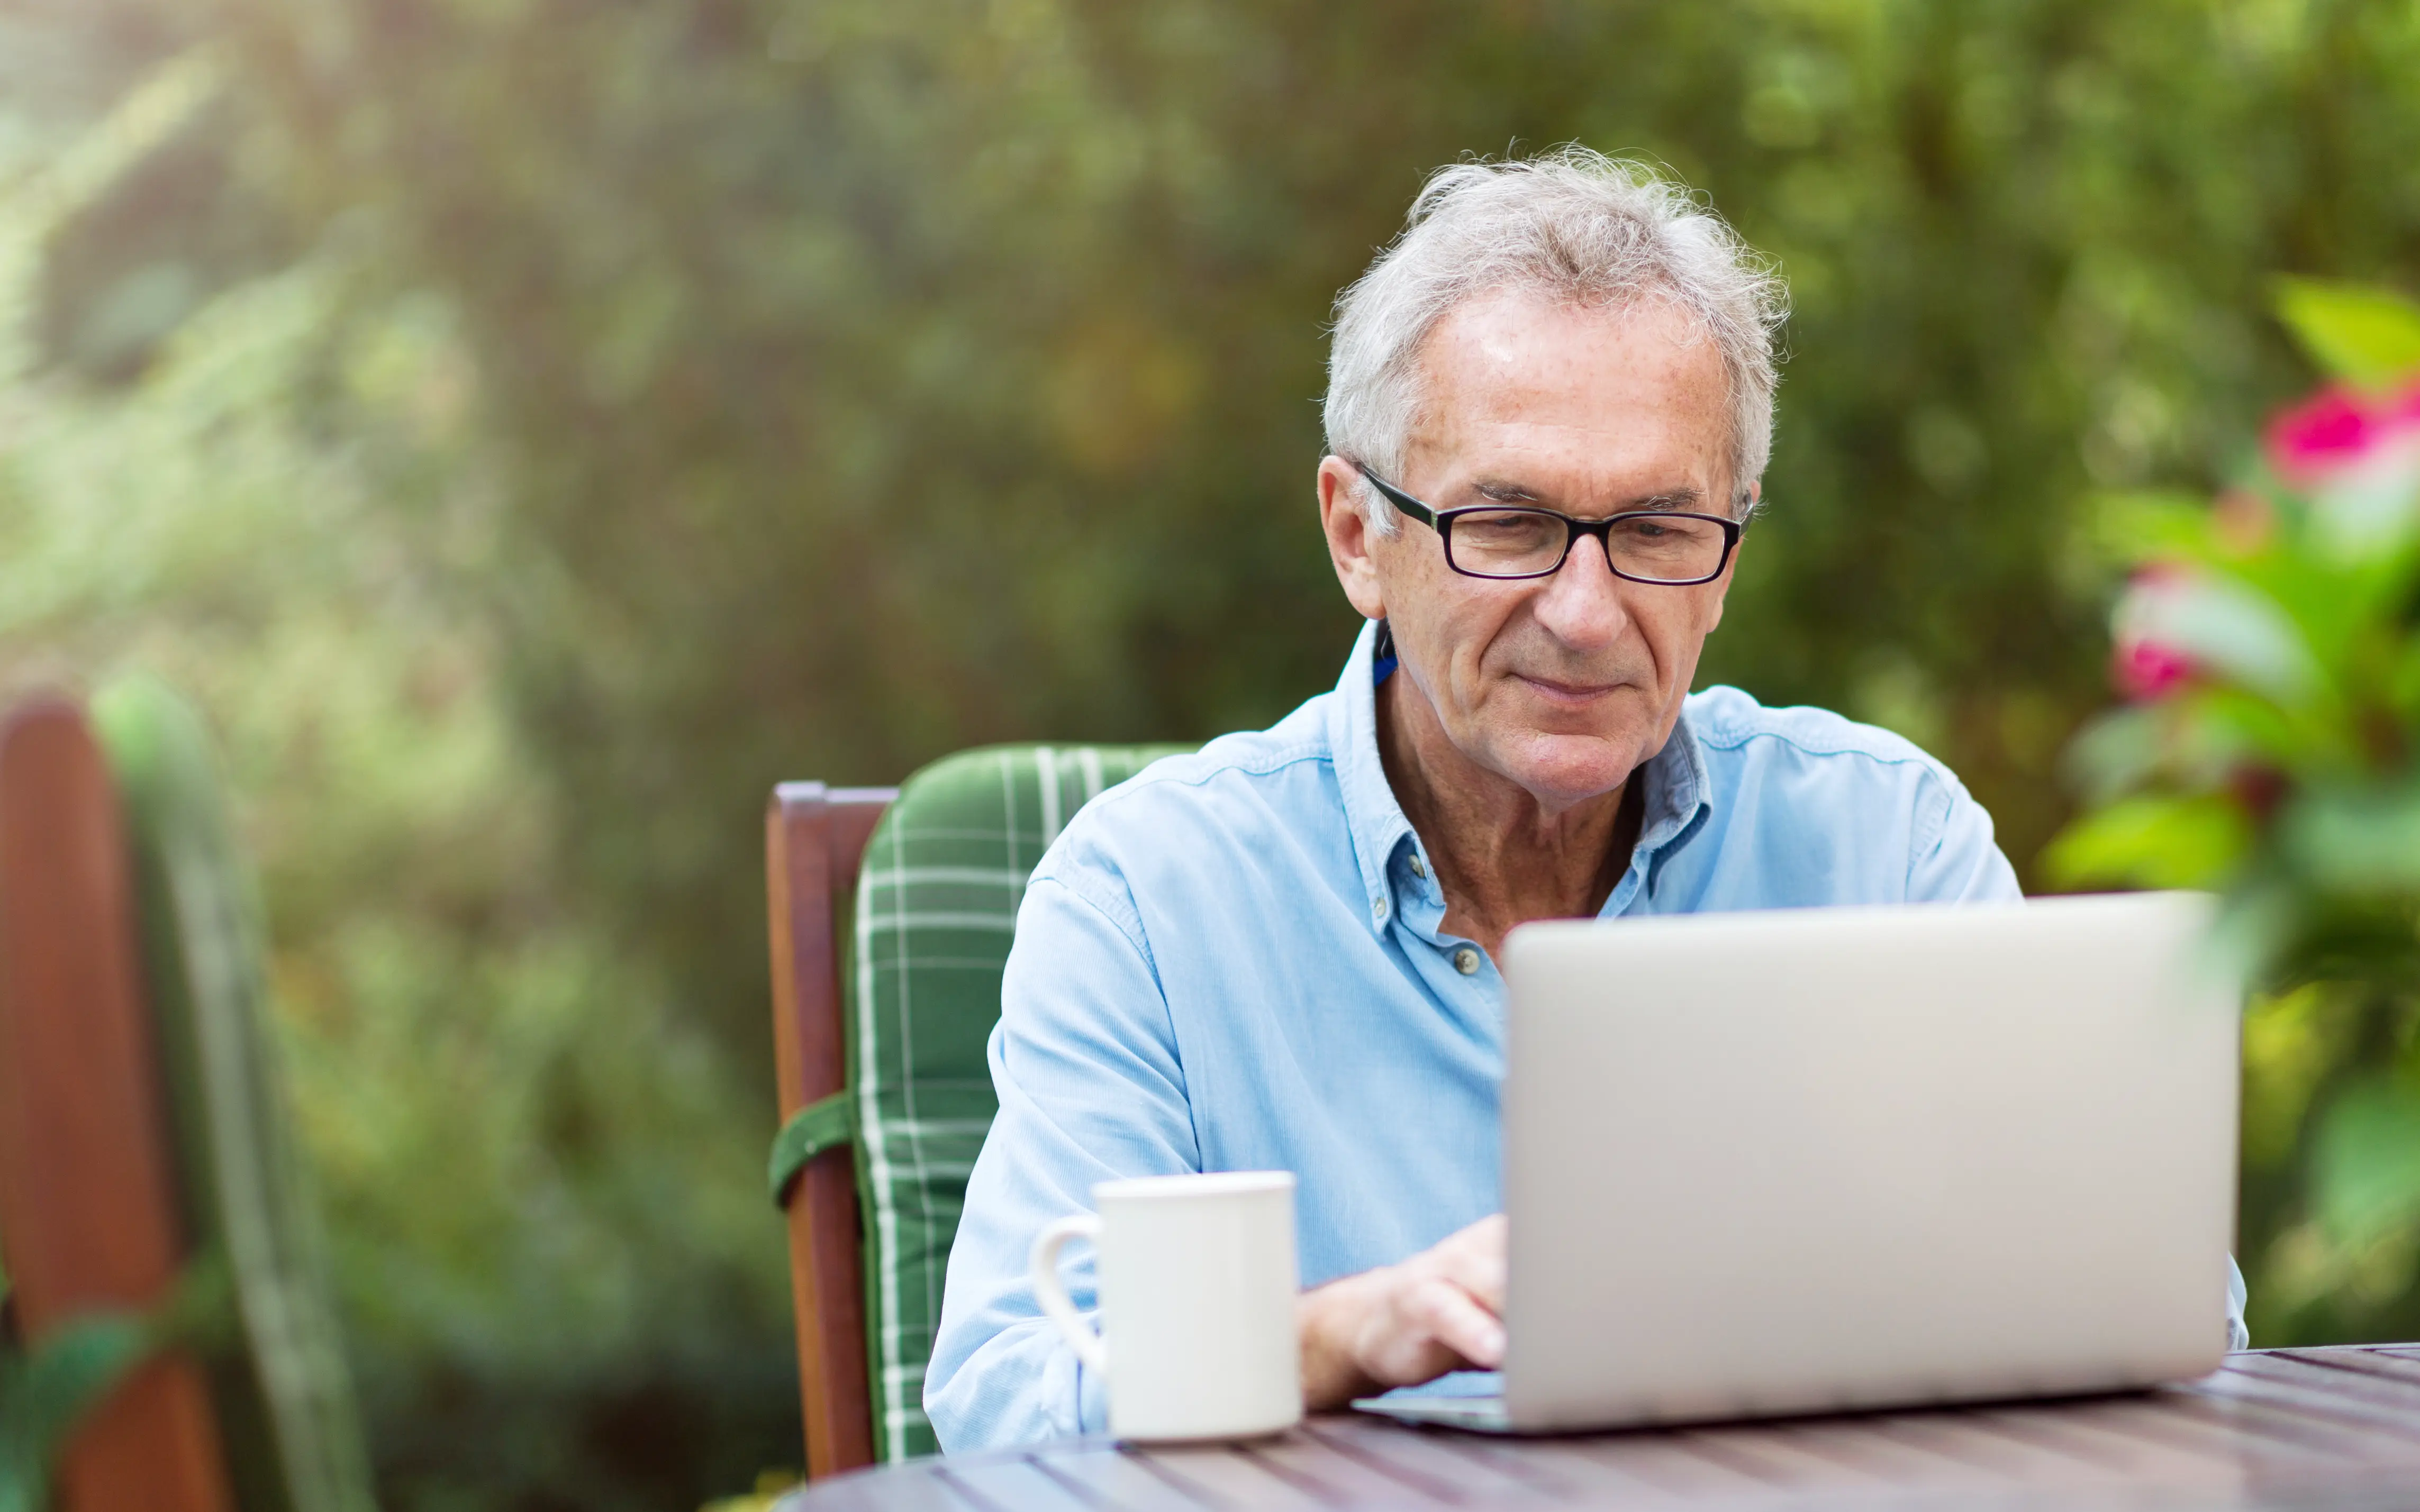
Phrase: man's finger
x=1454 y=1319
x=1473 y=1259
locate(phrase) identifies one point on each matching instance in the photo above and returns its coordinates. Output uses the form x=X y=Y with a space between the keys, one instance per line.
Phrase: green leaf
x=2149 y=524
x=2366 y=1180
x=2231 y=627
x=2223 y=728
x=2369 y=337
x=2117 y=752
x=2357 y=841
x=2151 y=841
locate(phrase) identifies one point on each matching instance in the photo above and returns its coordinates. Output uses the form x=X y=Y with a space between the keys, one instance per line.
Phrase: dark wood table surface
x=2272 y=1429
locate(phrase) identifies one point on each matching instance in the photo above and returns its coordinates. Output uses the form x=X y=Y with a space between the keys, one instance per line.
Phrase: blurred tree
x=838 y=383
x=878 y=379
x=550 y=1247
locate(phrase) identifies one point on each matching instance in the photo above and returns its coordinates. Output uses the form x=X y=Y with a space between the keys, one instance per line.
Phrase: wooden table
x=2336 y=1428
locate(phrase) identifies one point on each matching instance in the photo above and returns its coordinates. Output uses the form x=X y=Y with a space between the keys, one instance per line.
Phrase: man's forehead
x=1537 y=385
x=1524 y=342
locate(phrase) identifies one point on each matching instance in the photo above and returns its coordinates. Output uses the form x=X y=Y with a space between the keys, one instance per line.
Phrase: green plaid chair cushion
x=278 y=1377
x=936 y=904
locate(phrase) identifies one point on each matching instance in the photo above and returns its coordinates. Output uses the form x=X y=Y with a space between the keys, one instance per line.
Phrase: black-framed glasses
x=1673 y=548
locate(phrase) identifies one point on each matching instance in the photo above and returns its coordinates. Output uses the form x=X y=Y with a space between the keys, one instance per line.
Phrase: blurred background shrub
x=532 y=427
x=2270 y=641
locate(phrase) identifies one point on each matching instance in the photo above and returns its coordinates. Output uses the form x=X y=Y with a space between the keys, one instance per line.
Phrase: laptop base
x=1472 y=1415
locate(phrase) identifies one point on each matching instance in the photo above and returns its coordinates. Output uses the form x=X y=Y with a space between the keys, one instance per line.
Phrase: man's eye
x=1664 y=529
x=1508 y=526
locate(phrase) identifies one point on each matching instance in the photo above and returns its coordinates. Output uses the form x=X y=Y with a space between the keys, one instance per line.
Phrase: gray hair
x=1573 y=226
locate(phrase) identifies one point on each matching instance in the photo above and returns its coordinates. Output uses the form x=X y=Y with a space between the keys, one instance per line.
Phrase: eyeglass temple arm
x=1401 y=500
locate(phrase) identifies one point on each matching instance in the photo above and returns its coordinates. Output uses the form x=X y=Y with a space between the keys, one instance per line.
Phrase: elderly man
x=1548 y=406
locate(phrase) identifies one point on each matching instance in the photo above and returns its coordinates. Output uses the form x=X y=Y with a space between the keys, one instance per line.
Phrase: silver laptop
x=1834 y=1159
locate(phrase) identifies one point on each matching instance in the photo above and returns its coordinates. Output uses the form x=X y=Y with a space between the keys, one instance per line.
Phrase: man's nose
x=1582 y=605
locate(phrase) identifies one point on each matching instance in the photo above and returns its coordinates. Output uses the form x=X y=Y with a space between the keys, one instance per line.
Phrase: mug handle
x=1053 y=1297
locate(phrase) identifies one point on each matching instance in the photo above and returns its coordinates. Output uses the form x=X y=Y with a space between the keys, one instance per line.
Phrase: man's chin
x=1565 y=769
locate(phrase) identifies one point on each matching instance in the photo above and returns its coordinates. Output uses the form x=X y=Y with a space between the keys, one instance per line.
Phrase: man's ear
x=1350 y=539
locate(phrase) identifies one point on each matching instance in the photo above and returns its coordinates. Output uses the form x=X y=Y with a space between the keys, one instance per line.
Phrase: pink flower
x=2144 y=668
x=2339 y=427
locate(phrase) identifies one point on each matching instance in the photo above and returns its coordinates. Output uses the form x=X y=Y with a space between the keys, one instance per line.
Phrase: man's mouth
x=1569 y=694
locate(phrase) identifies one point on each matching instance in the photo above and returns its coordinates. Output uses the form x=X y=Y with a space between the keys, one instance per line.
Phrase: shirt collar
x=1676 y=800
x=1674 y=809
x=1372 y=815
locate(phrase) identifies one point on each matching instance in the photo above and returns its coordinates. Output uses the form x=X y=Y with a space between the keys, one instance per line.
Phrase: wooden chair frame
x=815 y=839
x=88 y=1183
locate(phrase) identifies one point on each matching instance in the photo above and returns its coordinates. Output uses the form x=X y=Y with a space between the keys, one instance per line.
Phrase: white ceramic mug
x=1197 y=1287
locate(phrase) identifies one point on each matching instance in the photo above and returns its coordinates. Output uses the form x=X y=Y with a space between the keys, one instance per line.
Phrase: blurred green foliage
x=532 y=427
x=2272 y=752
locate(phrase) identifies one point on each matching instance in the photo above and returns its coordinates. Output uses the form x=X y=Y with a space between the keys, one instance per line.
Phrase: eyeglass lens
x=1520 y=543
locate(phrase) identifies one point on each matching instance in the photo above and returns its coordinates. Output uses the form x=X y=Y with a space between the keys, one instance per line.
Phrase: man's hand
x=1399 y=1325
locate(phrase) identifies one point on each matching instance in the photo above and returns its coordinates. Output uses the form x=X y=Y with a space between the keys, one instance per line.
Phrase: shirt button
x=1465 y=961
x=1419 y=868
x=1378 y=909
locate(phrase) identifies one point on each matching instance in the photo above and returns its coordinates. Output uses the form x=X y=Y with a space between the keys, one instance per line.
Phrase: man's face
x=1562 y=684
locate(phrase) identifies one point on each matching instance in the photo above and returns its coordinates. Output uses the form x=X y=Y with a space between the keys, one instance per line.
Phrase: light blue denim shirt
x=1236 y=960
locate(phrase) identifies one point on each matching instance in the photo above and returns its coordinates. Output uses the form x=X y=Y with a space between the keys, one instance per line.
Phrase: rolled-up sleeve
x=1091 y=1089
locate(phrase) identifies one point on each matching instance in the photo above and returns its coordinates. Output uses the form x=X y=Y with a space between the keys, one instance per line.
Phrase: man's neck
x=1501 y=857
